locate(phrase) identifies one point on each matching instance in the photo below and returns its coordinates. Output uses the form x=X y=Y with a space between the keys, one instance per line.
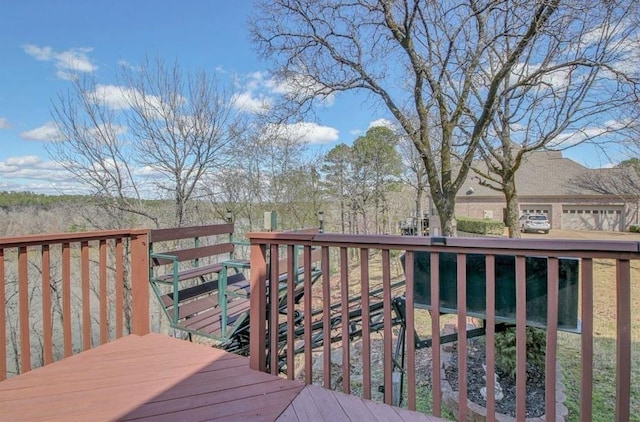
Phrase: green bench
x=202 y=288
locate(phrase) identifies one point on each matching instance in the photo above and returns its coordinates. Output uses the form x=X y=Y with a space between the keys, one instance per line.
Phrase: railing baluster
x=274 y=316
x=326 y=318
x=366 y=329
x=344 y=313
x=552 y=336
x=86 y=301
x=461 y=270
x=307 y=310
x=104 y=295
x=119 y=287
x=435 y=329
x=291 y=340
x=623 y=340
x=521 y=338
x=23 y=294
x=410 y=340
x=66 y=299
x=47 y=334
x=490 y=312
x=586 y=387
x=3 y=311
x=388 y=334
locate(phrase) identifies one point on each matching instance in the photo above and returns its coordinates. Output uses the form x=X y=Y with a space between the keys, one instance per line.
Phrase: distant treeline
x=20 y=199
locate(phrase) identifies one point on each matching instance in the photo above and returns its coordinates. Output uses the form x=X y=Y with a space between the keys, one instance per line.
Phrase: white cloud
x=4 y=123
x=47 y=132
x=257 y=92
x=308 y=132
x=246 y=102
x=112 y=96
x=578 y=136
x=356 y=132
x=381 y=122
x=32 y=167
x=67 y=63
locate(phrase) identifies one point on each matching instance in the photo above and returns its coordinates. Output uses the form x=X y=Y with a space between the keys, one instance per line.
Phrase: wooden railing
x=64 y=293
x=344 y=254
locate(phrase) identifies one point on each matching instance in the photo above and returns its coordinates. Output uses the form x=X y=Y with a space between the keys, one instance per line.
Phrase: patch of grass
x=604 y=349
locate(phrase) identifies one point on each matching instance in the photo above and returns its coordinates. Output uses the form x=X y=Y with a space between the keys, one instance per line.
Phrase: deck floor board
x=157 y=378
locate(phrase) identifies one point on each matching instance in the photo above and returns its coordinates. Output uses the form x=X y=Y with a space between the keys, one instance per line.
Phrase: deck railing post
x=258 y=308
x=139 y=283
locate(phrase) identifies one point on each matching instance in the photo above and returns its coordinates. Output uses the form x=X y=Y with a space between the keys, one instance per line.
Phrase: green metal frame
x=174 y=283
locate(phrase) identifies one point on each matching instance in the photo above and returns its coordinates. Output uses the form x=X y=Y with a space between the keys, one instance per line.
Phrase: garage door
x=592 y=218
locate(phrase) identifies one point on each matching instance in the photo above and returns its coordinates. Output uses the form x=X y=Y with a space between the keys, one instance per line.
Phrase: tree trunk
x=448 y=218
x=419 y=212
x=513 y=208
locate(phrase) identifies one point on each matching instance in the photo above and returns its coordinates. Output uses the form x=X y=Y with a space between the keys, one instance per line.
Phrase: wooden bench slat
x=201 y=289
x=193 y=253
x=191 y=273
x=163 y=235
x=210 y=321
x=197 y=306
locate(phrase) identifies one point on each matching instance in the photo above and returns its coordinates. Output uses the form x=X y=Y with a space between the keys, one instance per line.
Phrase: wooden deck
x=156 y=377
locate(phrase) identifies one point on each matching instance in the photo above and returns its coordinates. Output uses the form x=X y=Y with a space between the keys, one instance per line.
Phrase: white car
x=534 y=222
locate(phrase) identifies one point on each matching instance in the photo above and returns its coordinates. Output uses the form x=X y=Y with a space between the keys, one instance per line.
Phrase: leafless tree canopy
x=415 y=57
x=154 y=136
x=574 y=90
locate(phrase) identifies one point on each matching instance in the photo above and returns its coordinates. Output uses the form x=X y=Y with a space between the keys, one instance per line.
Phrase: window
x=580 y=211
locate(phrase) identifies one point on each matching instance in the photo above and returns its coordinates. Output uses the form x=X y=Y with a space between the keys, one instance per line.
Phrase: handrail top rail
x=506 y=245
x=54 y=238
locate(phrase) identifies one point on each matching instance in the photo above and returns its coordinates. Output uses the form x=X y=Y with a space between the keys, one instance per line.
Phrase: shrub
x=634 y=228
x=480 y=226
x=506 y=349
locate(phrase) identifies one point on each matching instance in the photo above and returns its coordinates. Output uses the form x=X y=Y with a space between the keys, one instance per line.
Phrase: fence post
x=258 y=309
x=139 y=283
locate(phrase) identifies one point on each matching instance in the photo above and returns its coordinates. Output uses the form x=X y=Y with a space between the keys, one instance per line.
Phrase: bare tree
x=93 y=149
x=561 y=95
x=183 y=124
x=414 y=175
x=419 y=58
x=156 y=135
x=270 y=171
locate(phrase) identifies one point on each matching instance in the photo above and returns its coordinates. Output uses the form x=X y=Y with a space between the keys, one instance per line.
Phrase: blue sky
x=42 y=40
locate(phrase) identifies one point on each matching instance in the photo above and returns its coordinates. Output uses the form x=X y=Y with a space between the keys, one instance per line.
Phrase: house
x=572 y=196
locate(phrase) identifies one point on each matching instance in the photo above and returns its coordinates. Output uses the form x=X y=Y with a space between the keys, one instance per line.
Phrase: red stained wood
x=623 y=340
x=587 y=341
x=158 y=378
x=366 y=329
x=86 y=305
x=319 y=404
x=552 y=334
x=47 y=332
x=23 y=296
x=150 y=377
x=3 y=332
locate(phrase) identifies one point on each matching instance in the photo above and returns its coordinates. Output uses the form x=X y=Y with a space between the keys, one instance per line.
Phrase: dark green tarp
x=505 y=296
